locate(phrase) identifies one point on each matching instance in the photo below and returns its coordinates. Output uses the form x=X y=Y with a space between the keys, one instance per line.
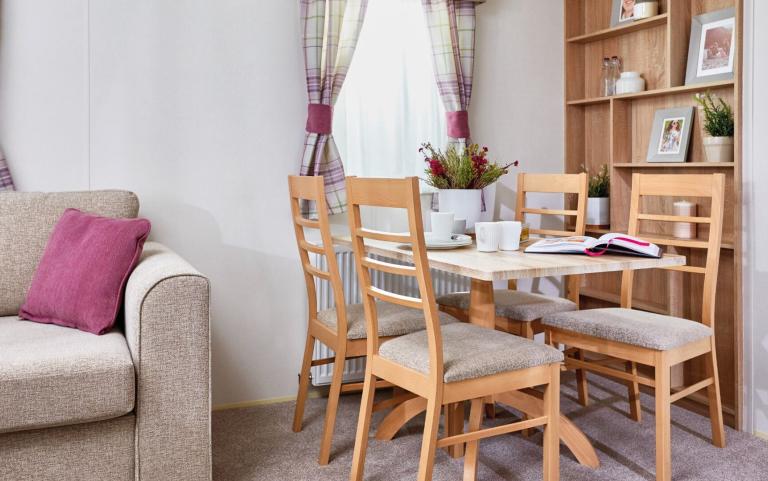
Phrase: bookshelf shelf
x=606 y=33
x=676 y=165
x=655 y=93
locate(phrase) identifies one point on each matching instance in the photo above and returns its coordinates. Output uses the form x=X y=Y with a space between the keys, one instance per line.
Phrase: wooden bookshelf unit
x=616 y=131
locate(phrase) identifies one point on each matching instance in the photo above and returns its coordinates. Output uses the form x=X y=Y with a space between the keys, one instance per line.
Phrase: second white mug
x=510 y=235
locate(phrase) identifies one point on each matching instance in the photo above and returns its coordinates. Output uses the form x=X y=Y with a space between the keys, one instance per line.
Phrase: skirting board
x=761 y=435
x=262 y=402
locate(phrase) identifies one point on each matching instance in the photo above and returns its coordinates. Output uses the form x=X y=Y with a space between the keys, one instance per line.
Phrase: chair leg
x=332 y=408
x=470 y=457
x=552 y=428
x=713 y=393
x=663 y=419
x=301 y=397
x=634 y=393
x=581 y=381
x=363 y=426
x=429 y=440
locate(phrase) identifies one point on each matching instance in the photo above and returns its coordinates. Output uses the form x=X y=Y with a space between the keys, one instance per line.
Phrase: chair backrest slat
x=403 y=194
x=707 y=186
x=553 y=184
x=307 y=188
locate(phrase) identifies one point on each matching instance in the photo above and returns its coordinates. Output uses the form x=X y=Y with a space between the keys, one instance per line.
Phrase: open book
x=609 y=243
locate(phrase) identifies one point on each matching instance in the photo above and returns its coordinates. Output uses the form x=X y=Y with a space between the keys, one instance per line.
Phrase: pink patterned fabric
x=451 y=26
x=458 y=124
x=80 y=279
x=319 y=119
x=6 y=181
x=330 y=32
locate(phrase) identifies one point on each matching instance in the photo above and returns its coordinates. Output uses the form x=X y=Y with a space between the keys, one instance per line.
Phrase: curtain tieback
x=319 y=118
x=458 y=124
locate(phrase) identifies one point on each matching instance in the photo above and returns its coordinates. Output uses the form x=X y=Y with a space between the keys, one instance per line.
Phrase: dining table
x=483 y=268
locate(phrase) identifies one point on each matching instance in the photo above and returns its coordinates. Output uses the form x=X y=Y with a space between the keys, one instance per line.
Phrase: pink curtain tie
x=458 y=124
x=319 y=119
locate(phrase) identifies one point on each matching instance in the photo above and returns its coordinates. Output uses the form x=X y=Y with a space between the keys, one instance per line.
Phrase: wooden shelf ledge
x=622 y=30
x=655 y=93
x=657 y=165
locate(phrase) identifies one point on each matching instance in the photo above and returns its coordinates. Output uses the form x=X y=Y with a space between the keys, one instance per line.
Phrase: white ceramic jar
x=646 y=9
x=630 y=83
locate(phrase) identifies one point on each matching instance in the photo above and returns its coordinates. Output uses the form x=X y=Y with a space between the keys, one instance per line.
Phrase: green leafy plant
x=600 y=184
x=718 y=115
x=465 y=169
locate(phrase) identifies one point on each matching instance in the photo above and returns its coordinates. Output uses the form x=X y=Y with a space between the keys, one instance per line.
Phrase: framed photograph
x=671 y=135
x=712 y=50
x=623 y=12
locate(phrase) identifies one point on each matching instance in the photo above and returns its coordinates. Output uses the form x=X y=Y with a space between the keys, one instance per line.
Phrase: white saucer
x=456 y=241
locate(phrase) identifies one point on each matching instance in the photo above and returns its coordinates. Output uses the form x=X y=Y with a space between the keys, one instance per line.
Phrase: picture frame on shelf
x=622 y=12
x=671 y=135
x=712 y=48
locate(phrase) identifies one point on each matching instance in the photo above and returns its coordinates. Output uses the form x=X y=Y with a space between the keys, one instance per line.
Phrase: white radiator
x=443 y=282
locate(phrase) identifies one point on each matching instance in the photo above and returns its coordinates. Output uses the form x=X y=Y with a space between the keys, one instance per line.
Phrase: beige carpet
x=258 y=444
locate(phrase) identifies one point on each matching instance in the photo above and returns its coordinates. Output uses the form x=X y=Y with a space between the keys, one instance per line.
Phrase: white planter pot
x=718 y=149
x=599 y=211
x=464 y=203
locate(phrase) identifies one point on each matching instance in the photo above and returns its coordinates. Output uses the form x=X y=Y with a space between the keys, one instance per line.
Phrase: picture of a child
x=627 y=10
x=671 y=136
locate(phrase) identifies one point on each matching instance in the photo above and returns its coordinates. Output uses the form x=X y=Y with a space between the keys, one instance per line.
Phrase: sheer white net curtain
x=389 y=103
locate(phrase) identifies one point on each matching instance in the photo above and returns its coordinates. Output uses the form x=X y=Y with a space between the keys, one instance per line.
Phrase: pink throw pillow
x=80 y=279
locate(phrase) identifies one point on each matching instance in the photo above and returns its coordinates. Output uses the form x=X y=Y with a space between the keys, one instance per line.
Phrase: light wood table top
x=504 y=265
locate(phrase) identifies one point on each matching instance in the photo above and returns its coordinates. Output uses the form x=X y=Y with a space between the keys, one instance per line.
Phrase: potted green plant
x=718 y=124
x=599 y=201
x=460 y=175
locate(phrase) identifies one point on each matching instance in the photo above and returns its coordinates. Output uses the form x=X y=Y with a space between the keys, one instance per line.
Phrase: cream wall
x=755 y=220
x=199 y=107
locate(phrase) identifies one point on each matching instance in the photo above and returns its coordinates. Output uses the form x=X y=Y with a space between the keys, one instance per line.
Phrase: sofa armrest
x=167 y=329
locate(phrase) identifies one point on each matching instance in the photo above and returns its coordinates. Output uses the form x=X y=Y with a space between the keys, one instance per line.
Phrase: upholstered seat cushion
x=638 y=328
x=393 y=320
x=53 y=376
x=517 y=305
x=470 y=352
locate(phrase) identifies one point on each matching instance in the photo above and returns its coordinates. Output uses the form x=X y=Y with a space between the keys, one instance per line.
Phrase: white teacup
x=460 y=226
x=442 y=225
x=488 y=236
x=510 y=235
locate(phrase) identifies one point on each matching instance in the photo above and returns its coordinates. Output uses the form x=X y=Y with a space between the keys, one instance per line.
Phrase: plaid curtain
x=6 y=181
x=330 y=32
x=451 y=26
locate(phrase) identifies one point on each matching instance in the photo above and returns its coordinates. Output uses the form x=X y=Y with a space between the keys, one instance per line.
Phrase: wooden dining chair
x=443 y=364
x=652 y=339
x=341 y=328
x=519 y=312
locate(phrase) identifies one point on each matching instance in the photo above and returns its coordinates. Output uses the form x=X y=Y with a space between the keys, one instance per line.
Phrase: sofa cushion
x=54 y=376
x=26 y=221
x=80 y=279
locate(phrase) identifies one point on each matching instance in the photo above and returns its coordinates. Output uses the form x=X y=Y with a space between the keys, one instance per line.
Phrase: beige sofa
x=133 y=404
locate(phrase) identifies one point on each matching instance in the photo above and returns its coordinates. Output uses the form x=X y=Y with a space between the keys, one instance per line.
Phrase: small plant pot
x=718 y=149
x=464 y=203
x=599 y=211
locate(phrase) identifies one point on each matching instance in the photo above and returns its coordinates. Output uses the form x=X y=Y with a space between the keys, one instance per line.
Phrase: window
x=389 y=103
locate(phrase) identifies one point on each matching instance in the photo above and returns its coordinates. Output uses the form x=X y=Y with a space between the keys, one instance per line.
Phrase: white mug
x=460 y=226
x=510 y=235
x=487 y=234
x=442 y=225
